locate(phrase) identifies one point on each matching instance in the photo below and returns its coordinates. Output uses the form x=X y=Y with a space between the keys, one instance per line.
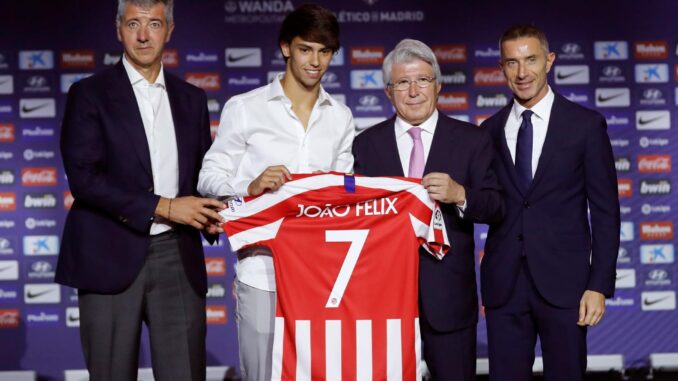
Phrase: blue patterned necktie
x=524 y=150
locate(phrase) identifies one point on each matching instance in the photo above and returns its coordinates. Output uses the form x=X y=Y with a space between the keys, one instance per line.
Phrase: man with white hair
x=453 y=159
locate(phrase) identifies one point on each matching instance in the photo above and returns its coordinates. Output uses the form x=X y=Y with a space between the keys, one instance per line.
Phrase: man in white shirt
x=288 y=126
x=132 y=142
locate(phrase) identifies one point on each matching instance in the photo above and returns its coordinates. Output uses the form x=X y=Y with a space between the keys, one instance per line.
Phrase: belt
x=253 y=251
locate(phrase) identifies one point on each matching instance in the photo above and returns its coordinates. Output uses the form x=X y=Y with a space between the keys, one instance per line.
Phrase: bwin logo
x=368 y=100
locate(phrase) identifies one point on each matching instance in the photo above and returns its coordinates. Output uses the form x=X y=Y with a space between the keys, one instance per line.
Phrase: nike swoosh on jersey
x=603 y=99
x=240 y=58
x=642 y=121
x=568 y=75
x=27 y=110
x=648 y=302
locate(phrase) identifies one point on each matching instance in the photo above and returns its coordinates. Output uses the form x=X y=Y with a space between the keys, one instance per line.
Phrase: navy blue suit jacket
x=107 y=161
x=447 y=288
x=549 y=221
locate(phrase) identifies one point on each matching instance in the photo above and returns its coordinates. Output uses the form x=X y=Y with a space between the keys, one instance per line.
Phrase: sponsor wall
x=615 y=58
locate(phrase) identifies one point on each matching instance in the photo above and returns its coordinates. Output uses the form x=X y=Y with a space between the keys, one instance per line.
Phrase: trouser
x=255 y=317
x=512 y=331
x=449 y=355
x=162 y=297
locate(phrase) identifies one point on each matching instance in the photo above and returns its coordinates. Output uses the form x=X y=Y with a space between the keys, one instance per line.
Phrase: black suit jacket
x=447 y=288
x=107 y=161
x=548 y=223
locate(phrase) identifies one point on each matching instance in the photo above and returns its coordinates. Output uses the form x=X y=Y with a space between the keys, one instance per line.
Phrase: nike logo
x=619 y=277
x=6 y=268
x=649 y=302
x=32 y=295
x=73 y=319
x=232 y=58
x=603 y=99
x=3 y=82
x=642 y=121
x=568 y=75
x=25 y=109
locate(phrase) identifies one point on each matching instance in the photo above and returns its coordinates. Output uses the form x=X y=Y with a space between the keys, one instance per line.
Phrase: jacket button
x=520 y=237
x=526 y=204
x=150 y=190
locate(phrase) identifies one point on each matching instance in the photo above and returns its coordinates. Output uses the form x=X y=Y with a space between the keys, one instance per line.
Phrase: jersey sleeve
x=432 y=233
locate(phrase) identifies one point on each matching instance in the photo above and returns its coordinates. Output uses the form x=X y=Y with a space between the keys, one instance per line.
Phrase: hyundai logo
x=571 y=48
x=41 y=267
x=652 y=94
x=658 y=274
x=368 y=100
x=612 y=71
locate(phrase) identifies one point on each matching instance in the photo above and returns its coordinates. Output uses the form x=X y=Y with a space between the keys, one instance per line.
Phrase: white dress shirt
x=156 y=116
x=258 y=129
x=540 y=123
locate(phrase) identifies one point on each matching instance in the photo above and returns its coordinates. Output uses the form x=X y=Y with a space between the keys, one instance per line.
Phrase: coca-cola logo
x=654 y=163
x=450 y=53
x=205 y=81
x=488 y=77
x=215 y=266
x=6 y=133
x=46 y=176
x=170 y=58
x=9 y=318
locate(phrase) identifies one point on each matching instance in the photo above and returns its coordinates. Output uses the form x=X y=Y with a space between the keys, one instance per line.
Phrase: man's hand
x=214 y=229
x=442 y=188
x=194 y=211
x=591 y=308
x=270 y=179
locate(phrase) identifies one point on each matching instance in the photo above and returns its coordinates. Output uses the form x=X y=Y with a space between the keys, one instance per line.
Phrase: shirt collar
x=135 y=77
x=429 y=125
x=542 y=109
x=275 y=91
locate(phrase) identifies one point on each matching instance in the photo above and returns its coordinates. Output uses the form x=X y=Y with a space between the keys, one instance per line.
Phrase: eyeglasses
x=404 y=84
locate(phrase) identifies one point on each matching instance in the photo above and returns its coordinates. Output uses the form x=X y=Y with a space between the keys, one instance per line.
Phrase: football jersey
x=346 y=260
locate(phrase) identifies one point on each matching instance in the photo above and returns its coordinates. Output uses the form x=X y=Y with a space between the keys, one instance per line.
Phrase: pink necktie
x=417 y=155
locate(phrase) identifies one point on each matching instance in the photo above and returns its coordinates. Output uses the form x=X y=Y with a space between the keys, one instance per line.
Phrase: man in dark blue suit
x=454 y=160
x=132 y=141
x=546 y=271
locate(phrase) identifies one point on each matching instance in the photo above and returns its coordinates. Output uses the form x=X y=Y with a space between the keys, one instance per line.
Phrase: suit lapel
x=389 y=150
x=128 y=116
x=554 y=134
x=180 y=115
x=499 y=137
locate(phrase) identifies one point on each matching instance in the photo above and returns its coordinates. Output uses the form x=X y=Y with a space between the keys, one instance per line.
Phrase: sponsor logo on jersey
x=611 y=50
x=651 y=73
x=613 y=97
x=36 y=59
x=654 y=163
x=571 y=75
x=243 y=57
x=658 y=300
x=453 y=101
x=7 y=201
x=216 y=315
x=656 y=230
x=653 y=120
x=38 y=176
x=39 y=293
x=649 y=50
x=626 y=278
x=35 y=245
x=624 y=188
x=367 y=55
x=446 y=54
x=37 y=108
x=655 y=187
x=78 y=59
x=367 y=80
x=67 y=80
x=205 y=81
x=9 y=270
x=656 y=254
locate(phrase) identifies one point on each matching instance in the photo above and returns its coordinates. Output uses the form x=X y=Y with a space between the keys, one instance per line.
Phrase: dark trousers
x=160 y=296
x=449 y=355
x=512 y=331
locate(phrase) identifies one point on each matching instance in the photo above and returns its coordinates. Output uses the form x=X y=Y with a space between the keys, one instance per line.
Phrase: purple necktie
x=417 y=155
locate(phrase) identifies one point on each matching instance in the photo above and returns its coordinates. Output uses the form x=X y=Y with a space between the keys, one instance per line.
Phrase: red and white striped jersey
x=346 y=259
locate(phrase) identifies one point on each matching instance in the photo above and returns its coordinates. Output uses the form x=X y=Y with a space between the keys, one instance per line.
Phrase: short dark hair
x=522 y=31
x=169 y=8
x=312 y=23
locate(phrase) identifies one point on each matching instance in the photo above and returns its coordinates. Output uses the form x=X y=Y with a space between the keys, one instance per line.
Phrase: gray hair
x=169 y=8
x=406 y=51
